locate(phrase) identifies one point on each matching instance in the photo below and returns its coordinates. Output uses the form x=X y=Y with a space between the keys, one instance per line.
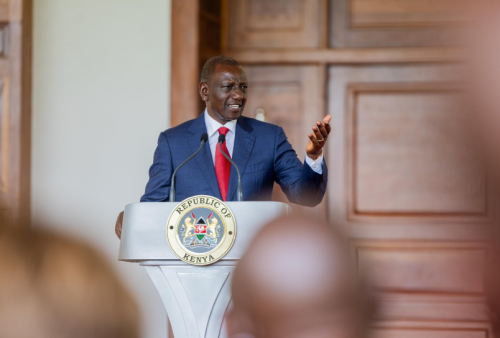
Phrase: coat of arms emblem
x=201 y=230
x=200 y=233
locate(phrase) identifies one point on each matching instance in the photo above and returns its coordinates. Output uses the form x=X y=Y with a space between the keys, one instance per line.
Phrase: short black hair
x=209 y=67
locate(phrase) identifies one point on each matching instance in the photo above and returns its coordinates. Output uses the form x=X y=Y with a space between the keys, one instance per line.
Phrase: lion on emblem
x=213 y=226
x=188 y=225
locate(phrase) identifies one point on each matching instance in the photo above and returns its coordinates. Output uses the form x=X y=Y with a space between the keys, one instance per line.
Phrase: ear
x=204 y=90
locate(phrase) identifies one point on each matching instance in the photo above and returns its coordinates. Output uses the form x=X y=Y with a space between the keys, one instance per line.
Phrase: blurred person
x=484 y=83
x=298 y=280
x=483 y=86
x=53 y=287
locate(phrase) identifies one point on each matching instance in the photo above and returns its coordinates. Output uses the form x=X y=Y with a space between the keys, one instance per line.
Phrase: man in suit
x=260 y=150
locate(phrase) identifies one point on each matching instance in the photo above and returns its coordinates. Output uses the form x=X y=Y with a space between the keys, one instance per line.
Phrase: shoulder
x=261 y=127
x=180 y=130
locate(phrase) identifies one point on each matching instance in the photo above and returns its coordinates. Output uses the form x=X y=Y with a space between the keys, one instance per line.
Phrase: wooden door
x=402 y=182
x=15 y=98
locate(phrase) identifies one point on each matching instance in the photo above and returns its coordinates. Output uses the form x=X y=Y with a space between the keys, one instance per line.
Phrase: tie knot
x=223 y=131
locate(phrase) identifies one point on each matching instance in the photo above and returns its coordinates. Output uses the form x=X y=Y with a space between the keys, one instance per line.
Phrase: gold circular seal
x=201 y=230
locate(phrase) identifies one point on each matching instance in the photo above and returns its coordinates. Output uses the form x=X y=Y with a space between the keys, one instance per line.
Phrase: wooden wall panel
x=431 y=329
x=422 y=267
x=405 y=13
x=267 y=15
x=409 y=152
x=209 y=29
x=430 y=333
x=432 y=307
x=273 y=24
x=397 y=23
x=406 y=150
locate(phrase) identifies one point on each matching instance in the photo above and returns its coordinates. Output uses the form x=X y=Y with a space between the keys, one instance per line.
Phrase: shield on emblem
x=200 y=228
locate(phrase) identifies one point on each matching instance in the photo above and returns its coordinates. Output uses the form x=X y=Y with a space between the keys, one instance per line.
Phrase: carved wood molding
x=433 y=329
x=348 y=56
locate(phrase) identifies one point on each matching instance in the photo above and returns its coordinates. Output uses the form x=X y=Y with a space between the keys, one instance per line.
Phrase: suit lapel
x=243 y=145
x=204 y=158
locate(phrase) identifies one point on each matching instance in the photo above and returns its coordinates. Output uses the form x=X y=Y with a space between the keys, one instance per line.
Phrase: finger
x=323 y=131
x=328 y=128
x=317 y=134
x=327 y=119
x=326 y=123
x=314 y=141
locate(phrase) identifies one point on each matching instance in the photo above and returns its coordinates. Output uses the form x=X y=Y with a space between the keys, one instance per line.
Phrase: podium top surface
x=144 y=233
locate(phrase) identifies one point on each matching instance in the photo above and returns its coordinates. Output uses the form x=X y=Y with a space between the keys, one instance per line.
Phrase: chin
x=233 y=116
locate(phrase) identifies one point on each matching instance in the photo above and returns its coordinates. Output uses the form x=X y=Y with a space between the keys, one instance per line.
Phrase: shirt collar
x=213 y=126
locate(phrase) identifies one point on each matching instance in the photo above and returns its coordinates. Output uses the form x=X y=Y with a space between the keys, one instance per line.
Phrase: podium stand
x=196 y=297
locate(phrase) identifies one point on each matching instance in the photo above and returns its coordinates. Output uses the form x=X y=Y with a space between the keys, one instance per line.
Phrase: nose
x=237 y=94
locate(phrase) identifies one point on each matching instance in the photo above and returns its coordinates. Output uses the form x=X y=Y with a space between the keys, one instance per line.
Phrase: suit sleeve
x=160 y=172
x=297 y=180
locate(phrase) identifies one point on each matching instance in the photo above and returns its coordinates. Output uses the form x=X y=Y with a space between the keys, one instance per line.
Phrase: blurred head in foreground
x=55 y=287
x=298 y=280
x=484 y=84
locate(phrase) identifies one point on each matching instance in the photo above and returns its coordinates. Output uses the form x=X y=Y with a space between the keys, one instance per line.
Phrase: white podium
x=196 y=297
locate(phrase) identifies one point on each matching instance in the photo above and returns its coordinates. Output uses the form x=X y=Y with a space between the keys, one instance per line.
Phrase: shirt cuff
x=316 y=166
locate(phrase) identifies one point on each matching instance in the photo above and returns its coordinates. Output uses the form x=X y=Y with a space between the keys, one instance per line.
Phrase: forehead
x=226 y=72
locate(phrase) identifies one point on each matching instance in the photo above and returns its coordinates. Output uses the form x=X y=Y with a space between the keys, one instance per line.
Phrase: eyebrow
x=226 y=82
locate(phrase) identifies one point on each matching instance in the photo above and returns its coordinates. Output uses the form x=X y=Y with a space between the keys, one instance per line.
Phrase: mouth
x=234 y=107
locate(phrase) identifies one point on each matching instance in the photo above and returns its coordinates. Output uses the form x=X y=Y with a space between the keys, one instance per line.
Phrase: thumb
x=327 y=119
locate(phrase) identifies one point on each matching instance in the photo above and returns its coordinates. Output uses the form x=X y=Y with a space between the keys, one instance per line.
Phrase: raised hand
x=317 y=139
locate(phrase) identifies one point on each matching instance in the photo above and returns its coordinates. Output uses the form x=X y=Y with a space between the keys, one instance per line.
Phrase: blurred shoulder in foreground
x=298 y=280
x=51 y=286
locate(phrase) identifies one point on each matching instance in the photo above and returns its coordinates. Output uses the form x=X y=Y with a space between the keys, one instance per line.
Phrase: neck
x=216 y=116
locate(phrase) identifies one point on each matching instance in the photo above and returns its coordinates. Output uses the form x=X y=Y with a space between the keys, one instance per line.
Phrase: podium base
x=196 y=298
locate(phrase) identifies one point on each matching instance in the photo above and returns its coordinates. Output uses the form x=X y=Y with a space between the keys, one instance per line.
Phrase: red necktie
x=222 y=166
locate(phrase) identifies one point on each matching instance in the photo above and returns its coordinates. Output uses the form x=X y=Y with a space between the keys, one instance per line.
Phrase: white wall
x=100 y=99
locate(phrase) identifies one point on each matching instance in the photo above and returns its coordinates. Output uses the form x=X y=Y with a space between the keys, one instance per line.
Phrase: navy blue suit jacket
x=261 y=151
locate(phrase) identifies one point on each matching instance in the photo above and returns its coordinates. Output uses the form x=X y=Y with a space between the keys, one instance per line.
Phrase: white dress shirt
x=213 y=136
